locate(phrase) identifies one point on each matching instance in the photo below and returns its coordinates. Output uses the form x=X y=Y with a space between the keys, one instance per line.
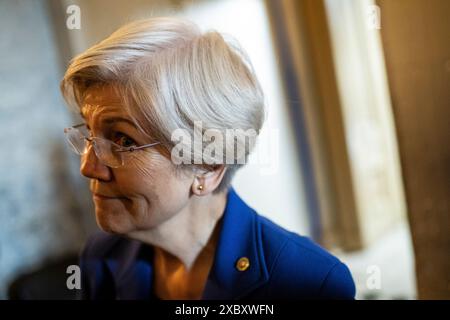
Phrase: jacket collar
x=240 y=236
x=131 y=269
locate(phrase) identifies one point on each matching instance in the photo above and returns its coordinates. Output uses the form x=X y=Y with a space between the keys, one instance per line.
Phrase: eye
x=86 y=130
x=123 y=140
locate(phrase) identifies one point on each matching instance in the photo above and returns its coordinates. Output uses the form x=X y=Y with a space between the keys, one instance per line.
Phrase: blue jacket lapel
x=240 y=237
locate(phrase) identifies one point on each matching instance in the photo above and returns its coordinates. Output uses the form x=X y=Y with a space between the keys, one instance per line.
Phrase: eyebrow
x=111 y=120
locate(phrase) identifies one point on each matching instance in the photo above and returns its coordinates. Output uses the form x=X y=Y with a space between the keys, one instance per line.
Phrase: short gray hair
x=169 y=75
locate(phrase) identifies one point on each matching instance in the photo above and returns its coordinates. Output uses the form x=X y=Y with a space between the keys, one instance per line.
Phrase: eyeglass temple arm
x=131 y=149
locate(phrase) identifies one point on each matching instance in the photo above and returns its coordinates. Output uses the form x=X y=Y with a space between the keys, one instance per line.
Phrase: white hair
x=170 y=75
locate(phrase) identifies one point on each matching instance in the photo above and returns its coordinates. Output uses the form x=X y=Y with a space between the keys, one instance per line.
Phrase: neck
x=187 y=233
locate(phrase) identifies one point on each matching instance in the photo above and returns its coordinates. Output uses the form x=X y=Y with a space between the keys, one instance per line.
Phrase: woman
x=174 y=228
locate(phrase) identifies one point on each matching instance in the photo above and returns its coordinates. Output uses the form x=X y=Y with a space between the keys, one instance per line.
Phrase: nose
x=91 y=167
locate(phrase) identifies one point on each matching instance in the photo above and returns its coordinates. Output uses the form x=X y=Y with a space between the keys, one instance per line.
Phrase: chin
x=113 y=223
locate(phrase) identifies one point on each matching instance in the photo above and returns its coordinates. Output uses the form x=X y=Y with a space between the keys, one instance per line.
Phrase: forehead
x=99 y=101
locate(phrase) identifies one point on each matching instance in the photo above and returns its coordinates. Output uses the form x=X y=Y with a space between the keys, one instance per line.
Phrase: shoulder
x=300 y=268
x=100 y=245
x=96 y=275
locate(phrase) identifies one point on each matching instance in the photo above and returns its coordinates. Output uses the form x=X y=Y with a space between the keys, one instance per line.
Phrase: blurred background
x=354 y=152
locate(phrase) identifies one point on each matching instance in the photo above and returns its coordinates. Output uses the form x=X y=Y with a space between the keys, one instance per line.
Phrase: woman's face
x=146 y=190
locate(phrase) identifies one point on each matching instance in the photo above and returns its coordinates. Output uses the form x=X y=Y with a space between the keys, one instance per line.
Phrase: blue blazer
x=283 y=265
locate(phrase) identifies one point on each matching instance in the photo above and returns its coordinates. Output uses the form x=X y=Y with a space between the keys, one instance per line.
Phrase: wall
x=367 y=118
x=416 y=43
x=42 y=216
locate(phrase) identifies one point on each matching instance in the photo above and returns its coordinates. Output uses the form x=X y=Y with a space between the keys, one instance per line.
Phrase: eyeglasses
x=108 y=152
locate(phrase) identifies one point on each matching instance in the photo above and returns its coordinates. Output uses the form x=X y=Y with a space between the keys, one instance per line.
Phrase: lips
x=105 y=196
x=102 y=196
x=100 y=191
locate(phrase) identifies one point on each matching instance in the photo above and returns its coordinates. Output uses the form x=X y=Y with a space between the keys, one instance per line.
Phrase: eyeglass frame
x=91 y=139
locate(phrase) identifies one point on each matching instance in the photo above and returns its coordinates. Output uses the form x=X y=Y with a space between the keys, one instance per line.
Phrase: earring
x=200 y=187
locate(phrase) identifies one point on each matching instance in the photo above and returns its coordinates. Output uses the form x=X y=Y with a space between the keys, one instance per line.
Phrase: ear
x=206 y=181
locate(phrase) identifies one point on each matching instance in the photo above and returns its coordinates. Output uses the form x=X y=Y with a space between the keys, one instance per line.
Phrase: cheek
x=155 y=190
x=144 y=177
